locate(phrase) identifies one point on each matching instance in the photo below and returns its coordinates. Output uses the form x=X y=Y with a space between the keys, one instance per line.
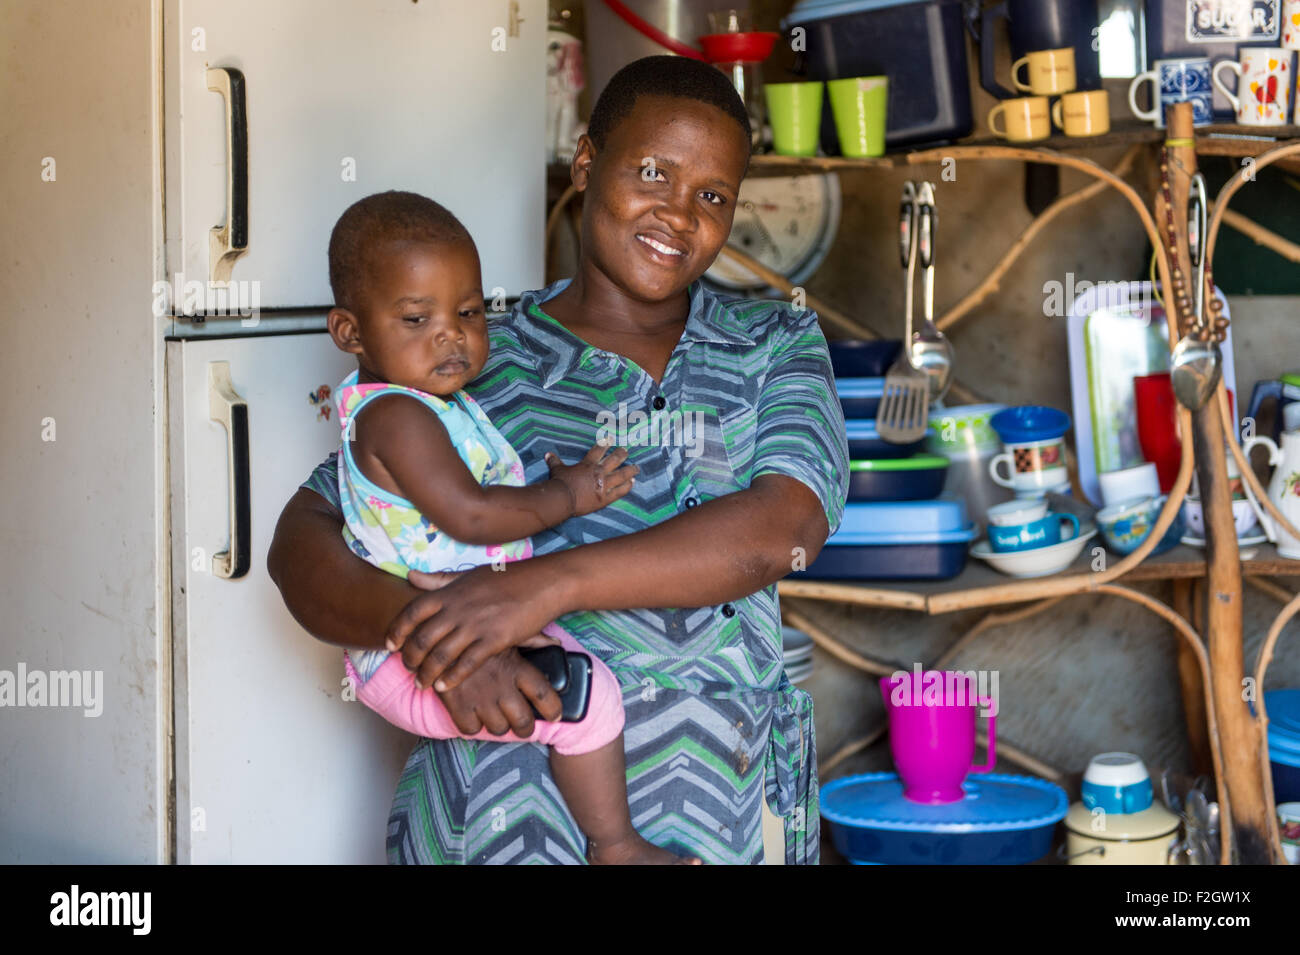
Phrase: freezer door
x=273 y=764
x=340 y=100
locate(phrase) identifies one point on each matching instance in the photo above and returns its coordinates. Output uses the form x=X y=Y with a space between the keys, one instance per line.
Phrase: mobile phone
x=569 y=674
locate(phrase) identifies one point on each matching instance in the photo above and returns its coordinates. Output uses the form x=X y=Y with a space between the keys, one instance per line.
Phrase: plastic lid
x=738 y=47
x=849 y=539
x=942 y=514
x=917 y=462
x=1150 y=823
x=806 y=10
x=1030 y=423
x=860 y=387
x=993 y=803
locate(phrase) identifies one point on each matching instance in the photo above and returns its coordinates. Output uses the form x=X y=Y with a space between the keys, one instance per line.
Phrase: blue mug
x=1044 y=532
x=1184 y=80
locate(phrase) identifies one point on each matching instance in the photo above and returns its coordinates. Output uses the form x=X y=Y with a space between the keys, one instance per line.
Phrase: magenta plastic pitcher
x=932 y=733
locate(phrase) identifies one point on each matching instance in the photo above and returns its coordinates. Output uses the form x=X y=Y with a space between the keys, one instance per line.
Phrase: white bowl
x=1243 y=516
x=1038 y=561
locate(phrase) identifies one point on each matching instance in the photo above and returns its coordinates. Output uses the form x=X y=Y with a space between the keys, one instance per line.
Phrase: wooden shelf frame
x=1241 y=768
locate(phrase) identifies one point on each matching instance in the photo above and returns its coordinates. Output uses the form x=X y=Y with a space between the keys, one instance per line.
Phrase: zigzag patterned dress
x=713 y=725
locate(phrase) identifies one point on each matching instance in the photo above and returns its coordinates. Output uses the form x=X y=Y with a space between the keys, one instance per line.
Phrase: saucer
x=1250 y=540
x=1037 y=561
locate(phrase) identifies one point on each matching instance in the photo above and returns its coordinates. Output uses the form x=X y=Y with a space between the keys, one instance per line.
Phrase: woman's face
x=661 y=195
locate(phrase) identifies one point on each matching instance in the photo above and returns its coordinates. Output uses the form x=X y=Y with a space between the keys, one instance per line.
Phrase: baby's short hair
x=384 y=216
x=664 y=75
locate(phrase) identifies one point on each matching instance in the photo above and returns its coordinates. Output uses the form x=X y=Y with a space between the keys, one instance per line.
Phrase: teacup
x=1128 y=483
x=1025 y=119
x=1049 y=72
x=1032 y=465
x=1244 y=517
x=1026 y=524
x=1085 y=113
x=1126 y=525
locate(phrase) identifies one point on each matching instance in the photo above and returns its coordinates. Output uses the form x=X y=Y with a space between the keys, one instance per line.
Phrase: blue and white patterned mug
x=1044 y=532
x=1176 y=81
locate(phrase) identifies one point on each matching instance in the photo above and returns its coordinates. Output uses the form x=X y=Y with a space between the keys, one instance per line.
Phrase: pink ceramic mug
x=932 y=734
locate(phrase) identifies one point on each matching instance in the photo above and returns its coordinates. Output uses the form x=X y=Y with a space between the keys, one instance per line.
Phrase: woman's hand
x=468 y=618
x=497 y=695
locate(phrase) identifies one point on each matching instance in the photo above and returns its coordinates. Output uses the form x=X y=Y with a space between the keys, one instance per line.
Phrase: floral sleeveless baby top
x=389 y=531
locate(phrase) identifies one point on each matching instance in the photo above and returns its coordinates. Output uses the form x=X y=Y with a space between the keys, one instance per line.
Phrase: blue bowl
x=1126 y=525
x=858 y=358
x=1030 y=423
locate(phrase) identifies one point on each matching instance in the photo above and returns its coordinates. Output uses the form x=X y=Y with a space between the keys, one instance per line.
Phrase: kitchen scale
x=787 y=223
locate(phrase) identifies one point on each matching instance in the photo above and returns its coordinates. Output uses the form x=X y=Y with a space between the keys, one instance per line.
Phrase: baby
x=427 y=483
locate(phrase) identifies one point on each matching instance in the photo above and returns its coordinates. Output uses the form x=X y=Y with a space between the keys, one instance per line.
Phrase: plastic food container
x=1003 y=820
x=1283 y=742
x=865 y=443
x=896 y=540
x=860 y=397
x=917 y=478
x=858 y=358
x=920 y=45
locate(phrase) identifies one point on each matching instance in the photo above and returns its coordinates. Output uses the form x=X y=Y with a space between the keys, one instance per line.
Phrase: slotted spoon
x=904 y=409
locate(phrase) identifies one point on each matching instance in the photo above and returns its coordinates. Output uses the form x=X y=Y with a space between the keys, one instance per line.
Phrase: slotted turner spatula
x=904 y=409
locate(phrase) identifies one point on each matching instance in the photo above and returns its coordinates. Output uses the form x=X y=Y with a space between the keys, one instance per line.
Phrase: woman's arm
x=341 y=599
x=335 y=595
x=723 y=550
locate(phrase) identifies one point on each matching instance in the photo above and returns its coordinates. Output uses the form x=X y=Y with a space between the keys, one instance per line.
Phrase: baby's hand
x=600 y=478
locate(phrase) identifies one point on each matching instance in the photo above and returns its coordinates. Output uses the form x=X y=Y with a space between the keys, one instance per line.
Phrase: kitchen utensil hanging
x=904 y=409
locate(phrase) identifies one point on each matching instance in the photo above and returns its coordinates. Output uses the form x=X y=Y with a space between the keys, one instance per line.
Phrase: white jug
x=1284 y=492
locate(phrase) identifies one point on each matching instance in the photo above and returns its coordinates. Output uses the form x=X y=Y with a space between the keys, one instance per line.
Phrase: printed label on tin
x=1232 y=21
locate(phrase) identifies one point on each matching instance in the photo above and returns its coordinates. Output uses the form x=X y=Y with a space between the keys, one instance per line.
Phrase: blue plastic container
x=859 y=358
x=896 y=540
x=920 y=45
x=860 y=397
x=892 y=521
x=916 y=478
x=865 y=443
x=1004 y=820
x=1284 y=743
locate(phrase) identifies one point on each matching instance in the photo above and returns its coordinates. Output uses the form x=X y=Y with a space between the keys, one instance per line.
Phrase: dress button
x=728 y=610
x=659 y=403
x=692 y=501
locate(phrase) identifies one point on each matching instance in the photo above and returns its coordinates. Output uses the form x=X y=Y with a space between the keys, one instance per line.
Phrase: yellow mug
x=1026 y=119
x=1086 y=113
x=1051 y=72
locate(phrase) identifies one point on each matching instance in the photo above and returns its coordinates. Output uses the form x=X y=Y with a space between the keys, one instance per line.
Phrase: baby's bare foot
x=634 y=850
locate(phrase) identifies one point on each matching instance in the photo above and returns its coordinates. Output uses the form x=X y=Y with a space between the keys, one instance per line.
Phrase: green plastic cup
x=859 y=104
x=795 y=112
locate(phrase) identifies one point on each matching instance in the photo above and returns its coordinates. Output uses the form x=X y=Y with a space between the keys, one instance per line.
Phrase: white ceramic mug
x=1009 y=513
x=1140 y=481
x=1264 y=82
x=1036 y=466
x=1291 y=24
x=1177 y=80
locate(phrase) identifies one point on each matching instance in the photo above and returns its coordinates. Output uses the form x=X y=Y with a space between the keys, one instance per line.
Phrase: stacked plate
x=797 y=648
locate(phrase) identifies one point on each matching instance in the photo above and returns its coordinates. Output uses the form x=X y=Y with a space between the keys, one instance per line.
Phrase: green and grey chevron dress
x=713 y=725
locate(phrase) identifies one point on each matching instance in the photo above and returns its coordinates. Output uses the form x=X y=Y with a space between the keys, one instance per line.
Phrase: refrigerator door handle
x=228 y=242
x=231 y=411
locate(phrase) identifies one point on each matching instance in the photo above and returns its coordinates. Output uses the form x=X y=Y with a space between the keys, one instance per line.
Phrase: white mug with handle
x=1264 y=82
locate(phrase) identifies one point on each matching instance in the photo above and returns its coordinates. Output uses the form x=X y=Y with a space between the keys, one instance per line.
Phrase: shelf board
x=1216 y=140
x=987 y=587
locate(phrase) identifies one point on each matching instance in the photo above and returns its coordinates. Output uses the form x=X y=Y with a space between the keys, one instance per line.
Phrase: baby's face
x=423 y=324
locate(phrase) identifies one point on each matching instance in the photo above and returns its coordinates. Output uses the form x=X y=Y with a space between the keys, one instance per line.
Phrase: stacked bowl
x=895 y=527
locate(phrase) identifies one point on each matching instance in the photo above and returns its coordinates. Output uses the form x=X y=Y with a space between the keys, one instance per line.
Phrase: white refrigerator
x=177 y=167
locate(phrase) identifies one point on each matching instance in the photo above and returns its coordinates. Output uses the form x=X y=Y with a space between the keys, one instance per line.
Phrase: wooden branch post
x=1238 y=733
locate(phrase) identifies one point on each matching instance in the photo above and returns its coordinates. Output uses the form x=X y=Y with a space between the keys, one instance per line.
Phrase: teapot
x=1284 y=492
